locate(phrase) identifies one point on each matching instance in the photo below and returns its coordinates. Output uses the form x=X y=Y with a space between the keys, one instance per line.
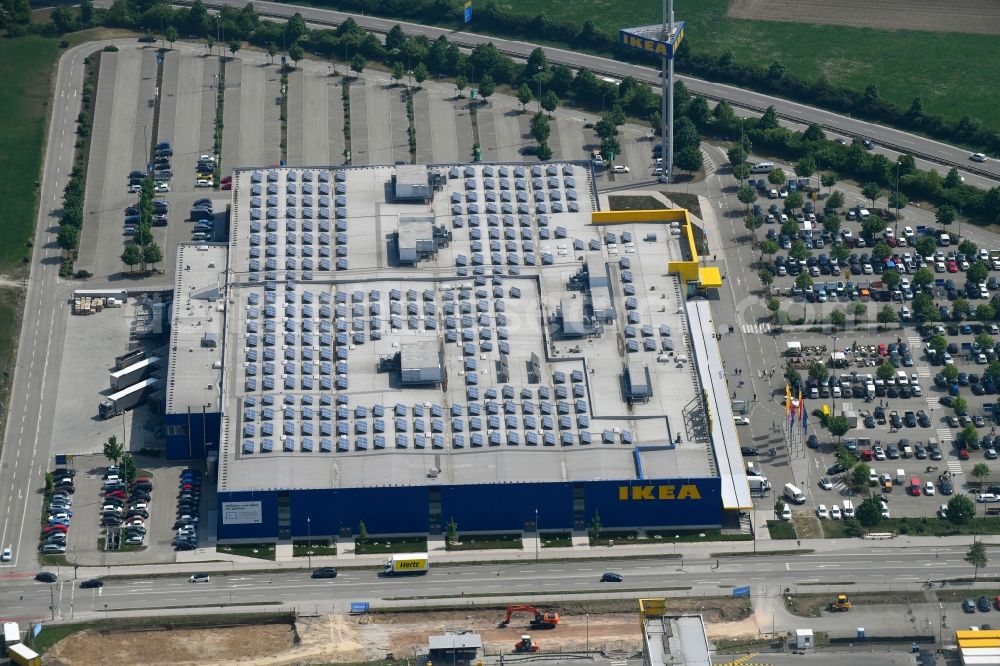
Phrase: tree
x=151 y=254
x=794 y=200
x=968 y=436
x=420 y=73
x=68 y=236
x=993 y=370
x=171 y=35
x=747 y=195
x=398 y=72
x=129 y=467
x=131 y=255
x=838 y=426
x=818 y=371
x=362 y=531
x=460 y=83
x=550 y=100
x=828 y=180
x=544 y=151
x=768 y=247
x=769 y=120
x=960 y=510
x=976 y=557
x=926 y=247
x=234 y=46
x=210 y=43
x=859 y=477
x=959 y=405
x=688 y=158
x=945 y=215
x=959 y=307
x=798 y=251
x=950 y=372
x=358 y=63
x=859 y=310
x=835 y=200
x=736 y=155
x=113 y=450
x=873 y=226
x=814 y=133
x=776 y=176
x=766 y=277
x=886 y=315
x=898 y=201
x=540 y=128
x=753 y=223
x=452 y=534
x=86 y=13
x=977 y=272
x=968 y=248
x=923 y=276
x=395 y=38
x=773 y=304
x=869 y=512
x=839 y=251
x=981 y=471
x=891 y=278
x=805 y=167
x=804 y=282
x=524 y=95
x=885 y=371
x=486 y=87
x=595 y=526
x=63 y=20
x=838 y=318
x=741 y=171
x=938 y=343
x=871 y=191
x=272 y=50
x=953 y=179
x=296 y=53
x=792 y=376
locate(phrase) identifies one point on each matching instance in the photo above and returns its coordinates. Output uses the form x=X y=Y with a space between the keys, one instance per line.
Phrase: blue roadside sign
x=741 y=591
x=468 y=11
x=359 y=606
x=37 y=629
x=61 y=459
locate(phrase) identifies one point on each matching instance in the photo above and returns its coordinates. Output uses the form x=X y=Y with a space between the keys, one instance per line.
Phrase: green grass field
x=26 y=64
x=946 y=70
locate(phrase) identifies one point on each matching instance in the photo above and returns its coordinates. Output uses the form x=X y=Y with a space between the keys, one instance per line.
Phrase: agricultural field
x=902 y=63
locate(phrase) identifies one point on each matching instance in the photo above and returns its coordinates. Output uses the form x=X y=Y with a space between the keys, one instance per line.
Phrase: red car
x=115 y=493
x=963 y=454
x=952 y=267
x=55 y=528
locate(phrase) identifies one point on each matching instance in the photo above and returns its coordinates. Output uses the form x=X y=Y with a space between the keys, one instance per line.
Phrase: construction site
x=605 y=630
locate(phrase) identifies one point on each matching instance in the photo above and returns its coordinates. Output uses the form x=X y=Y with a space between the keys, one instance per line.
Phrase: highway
x=896 y=141
x=876 y=565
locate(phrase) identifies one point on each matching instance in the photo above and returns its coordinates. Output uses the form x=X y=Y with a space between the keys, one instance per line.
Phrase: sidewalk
x=208 y=560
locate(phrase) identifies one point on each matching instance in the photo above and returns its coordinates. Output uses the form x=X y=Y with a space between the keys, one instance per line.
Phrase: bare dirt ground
x=344 y=639
x=971 y=16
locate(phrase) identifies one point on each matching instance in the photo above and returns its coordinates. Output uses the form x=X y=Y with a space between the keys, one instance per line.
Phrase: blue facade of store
x=191 y=435
x=506 y=507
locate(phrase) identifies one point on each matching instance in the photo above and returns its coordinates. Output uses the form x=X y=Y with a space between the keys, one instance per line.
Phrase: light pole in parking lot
x=309 y=548
x=833 y=398
x=145 y=150
x=896 y=225
x=538 y=535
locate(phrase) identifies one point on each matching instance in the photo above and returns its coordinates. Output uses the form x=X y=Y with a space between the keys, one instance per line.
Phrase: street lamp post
x=588 y=632
x=539 y=78
x=772 y=623
x=309 y=548
x=833 y=398
x=896 y=225
x=538 y=535
x=145 y=156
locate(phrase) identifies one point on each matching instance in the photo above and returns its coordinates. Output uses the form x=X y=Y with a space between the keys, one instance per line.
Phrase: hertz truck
x=406 y=563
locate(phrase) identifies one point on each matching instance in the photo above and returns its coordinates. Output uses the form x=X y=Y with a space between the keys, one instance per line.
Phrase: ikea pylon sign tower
x=661 y=40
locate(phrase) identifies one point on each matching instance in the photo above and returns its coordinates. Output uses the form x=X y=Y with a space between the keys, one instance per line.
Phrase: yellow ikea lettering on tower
x=665 y=492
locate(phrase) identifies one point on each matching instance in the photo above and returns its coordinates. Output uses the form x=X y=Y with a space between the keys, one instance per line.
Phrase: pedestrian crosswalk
x=944 y=435
x=923 y=371
x=955 y=467
x=757 y=329
x=914 y=342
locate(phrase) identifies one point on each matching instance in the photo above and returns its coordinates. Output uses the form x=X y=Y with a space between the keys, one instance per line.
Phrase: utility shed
x=412 y=183
x=571 y=310
x=599 y=287
x=416 y=239
x=455 y=648
x=637 y=382
x=421 y=363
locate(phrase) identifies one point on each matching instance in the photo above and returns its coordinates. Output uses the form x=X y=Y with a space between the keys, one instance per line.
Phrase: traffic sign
x=468 y=11
x=359 y=606
x=741 y=591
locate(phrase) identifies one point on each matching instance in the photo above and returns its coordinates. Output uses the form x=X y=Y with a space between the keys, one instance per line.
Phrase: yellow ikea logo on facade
x=649 y=45
x=640 y=493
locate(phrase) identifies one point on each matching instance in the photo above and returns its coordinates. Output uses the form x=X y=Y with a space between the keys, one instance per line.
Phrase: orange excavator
x=540 y=620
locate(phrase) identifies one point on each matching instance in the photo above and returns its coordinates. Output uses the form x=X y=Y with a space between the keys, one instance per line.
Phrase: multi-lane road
x=894 y=141
x=857 y=567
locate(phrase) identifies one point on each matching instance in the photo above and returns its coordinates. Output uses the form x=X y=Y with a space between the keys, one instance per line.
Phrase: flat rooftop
x=318 y=309
x=194 y=376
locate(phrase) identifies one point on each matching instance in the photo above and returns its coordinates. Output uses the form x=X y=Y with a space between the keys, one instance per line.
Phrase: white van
x=848 y=509
x=793 y=494
x=762 y=167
